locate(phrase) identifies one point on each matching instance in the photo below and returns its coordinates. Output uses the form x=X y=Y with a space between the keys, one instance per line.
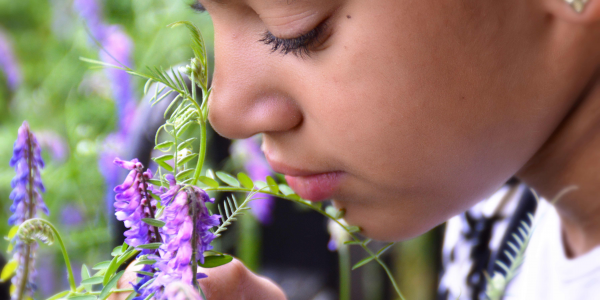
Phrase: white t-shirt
x=547 y=273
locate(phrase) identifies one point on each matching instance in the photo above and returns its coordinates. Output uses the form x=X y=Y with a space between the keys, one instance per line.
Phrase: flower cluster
x=27 y=200
x=249 y=153
x=133 y=203
x=186 y=231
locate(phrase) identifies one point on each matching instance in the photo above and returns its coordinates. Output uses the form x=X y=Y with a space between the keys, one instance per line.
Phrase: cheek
x=414 y=119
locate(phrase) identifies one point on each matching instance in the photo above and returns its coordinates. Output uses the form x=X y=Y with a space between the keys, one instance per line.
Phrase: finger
x=124 y=282
x=235 y=281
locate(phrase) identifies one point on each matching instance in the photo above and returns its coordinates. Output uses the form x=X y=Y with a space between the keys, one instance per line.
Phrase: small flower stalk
x=133 y=203
x=27 y=200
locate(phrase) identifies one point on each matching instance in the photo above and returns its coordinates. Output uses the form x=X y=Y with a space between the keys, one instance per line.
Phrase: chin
x=386 y=224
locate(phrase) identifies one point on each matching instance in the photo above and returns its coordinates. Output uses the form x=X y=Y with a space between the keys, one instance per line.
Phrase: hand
x=231 y=281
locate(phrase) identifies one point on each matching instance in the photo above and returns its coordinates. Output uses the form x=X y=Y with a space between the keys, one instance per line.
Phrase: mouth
x=313 y=186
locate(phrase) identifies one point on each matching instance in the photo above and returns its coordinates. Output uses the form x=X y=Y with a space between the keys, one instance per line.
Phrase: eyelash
x=298 y=46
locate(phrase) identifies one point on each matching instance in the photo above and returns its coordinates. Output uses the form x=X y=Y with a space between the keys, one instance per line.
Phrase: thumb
x=235 y=281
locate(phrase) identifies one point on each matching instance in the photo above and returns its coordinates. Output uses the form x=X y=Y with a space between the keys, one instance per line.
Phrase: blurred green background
x=72 y=109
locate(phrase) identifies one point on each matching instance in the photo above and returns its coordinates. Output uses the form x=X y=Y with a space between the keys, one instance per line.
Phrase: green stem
x=344 y=261
x=64 y=253
x=317 y=209
x=202 y=153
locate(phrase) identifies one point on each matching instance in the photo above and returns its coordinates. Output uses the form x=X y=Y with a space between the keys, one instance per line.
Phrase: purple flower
x=90 y=11
x=249 y=153
x=133 y=204
x=71 y=216
x=119 y=46
x=8 y=63
x=27 y=200
x=187 y=229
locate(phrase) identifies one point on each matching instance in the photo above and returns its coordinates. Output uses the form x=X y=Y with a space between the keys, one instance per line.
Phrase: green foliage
x=213 y=261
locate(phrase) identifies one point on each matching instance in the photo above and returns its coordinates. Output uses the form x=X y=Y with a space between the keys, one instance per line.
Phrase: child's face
x=423 y=107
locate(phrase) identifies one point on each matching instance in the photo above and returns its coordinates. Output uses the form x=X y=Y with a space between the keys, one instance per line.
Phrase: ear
x=575 y=11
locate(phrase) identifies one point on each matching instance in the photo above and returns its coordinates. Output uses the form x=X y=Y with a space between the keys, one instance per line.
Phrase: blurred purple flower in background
x=8 y=62
x=117 y=50
x=27 y=200
x=248 y=152
x=71 y=216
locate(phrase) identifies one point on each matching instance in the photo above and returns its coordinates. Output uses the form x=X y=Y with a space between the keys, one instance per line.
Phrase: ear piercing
x=577 y=5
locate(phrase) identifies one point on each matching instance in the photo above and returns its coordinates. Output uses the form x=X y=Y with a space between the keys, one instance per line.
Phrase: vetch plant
x=27 y=200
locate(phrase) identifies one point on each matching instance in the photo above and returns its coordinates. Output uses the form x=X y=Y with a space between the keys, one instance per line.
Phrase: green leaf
x=12 y=232
x=110 y=285
x=145 y=262
x=272 y=185
x=245 y=180
x=209 y=181
x=165 y=165
x=363 y=262
x=9 y=270
x=230 y=180
x=215 y=261
x=165 y=146
x=163 y=157
x=154 y=222
x=210 y=174
x=59 y=295
x=259 y=184
x=101 y=265
x=110 y=270
x=285 y=189
x=149 y=246
x=353 y=229
x=155 y=182
x=186 y=159
x=385 y=248
x=82 y=297
x=85 y=274
x=185 y=144
x=131 y=296
x=91 y=281
x=124 y=247
x=118 y=250
x=147 y=85
x=145 y=273
x=352 y=242
x=183 y=128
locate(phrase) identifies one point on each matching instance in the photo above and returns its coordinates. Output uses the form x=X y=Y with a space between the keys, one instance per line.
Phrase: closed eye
x=299 y=46
x=196 y=6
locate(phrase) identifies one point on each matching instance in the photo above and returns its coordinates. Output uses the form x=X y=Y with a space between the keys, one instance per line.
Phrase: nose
x=248 y=88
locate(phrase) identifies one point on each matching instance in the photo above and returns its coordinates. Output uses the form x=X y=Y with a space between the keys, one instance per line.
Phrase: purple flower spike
x=249 y=153
x=133 y=204
x=27 y=200
x=187 y=229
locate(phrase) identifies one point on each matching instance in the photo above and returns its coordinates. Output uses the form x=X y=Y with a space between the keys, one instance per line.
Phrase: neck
x=571 y=157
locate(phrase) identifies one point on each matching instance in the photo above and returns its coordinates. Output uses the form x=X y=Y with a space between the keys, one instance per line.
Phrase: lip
x=313 y=186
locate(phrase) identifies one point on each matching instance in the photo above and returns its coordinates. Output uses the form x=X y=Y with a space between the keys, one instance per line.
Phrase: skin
x=426 y=106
